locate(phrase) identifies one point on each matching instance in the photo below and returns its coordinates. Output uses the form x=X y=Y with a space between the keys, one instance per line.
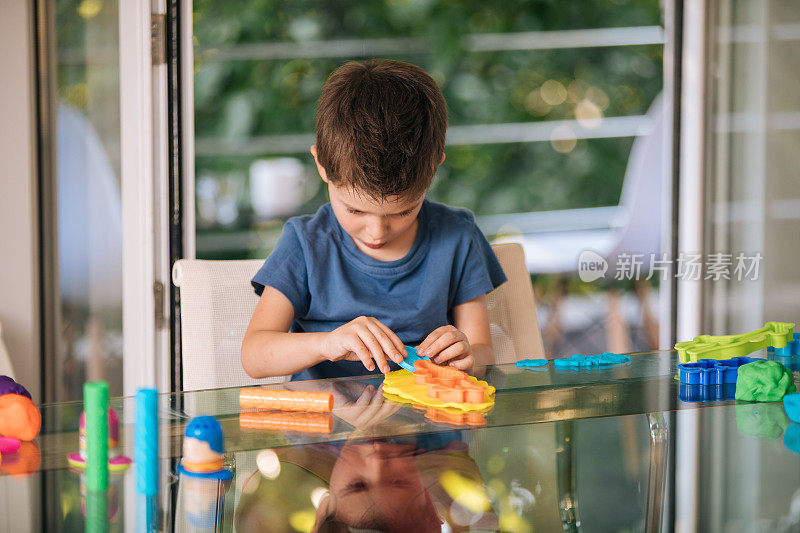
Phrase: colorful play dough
x=9 y=445
x=9 y=386
x=529 y=363
x=586 y=361
x=764 y=381
x=403 y=384
x=791 y=403
x=19 y=417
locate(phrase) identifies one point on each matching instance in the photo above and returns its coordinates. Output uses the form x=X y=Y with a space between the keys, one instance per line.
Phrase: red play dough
x=9 y=445
x=19 y=417
x=25 y=461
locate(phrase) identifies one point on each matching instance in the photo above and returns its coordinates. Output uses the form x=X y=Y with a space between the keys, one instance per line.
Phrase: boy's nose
x=377 y=231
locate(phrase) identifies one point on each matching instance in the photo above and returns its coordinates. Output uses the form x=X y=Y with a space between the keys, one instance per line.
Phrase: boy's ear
x=320 y=169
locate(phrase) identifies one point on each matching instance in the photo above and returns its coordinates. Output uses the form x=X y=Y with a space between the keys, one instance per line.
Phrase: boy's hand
x=447 y=345
x=364 y=339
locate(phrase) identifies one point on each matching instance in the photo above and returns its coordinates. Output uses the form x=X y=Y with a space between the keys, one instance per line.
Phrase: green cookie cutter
x=775 y=334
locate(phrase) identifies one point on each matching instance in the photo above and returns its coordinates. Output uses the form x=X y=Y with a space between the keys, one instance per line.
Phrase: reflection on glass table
x=561 y=449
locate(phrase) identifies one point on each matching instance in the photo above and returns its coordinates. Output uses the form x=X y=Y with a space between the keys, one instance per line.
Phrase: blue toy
x=411 y=358
x=791 y=404
x=791 y=438
x=586 y=361
x=203 y=452
x=792 y=347
x=531 y=363
x=712 y=371
x=788 y=356
x=706 y=393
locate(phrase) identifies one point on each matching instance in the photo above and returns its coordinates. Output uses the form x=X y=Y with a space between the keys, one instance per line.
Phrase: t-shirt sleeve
x=285 y=270
x=481 y=271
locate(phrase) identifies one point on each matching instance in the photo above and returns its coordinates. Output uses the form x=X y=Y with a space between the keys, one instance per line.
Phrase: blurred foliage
x=238 y=99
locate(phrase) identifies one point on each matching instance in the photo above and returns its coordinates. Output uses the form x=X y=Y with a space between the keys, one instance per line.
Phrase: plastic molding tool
x=792 y=347
x=775 y=334
x=409 y=362
x=712 y=371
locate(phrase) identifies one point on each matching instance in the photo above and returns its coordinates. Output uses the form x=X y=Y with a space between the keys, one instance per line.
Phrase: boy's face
x=383 y=230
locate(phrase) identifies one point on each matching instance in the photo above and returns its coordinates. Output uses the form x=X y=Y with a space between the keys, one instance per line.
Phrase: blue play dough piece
x=791 y=404
x=586 y=361
x=529 y=363
x=411 y=358
x=221 y=475
x=712 y=371
x=791 y=438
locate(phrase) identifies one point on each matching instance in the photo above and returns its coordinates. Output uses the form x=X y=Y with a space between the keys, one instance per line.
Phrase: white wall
x=19 y=273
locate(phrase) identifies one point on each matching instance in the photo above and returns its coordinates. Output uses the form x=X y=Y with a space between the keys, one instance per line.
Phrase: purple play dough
x=9 y=386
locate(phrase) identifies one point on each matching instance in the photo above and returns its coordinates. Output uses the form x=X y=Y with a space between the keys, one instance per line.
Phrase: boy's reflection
x=392 y=484
x=376 y=485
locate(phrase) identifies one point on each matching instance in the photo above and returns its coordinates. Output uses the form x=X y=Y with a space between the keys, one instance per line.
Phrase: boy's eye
x=405 y=213
x=354 y=211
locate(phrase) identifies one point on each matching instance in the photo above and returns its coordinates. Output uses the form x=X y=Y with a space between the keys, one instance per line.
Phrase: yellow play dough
x=401 y=383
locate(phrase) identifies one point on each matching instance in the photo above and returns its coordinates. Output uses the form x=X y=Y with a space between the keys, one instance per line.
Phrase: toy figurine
x=203 y=452
x=116 y=461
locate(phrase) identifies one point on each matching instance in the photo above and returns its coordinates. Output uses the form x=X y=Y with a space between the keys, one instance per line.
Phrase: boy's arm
x=268 y=349
x=467 y=342
x=472 y=318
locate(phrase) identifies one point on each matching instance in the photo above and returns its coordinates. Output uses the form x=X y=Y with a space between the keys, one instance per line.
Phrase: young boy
x=379 y=266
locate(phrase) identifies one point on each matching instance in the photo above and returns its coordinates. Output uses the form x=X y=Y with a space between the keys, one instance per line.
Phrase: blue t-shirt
x=330 y=282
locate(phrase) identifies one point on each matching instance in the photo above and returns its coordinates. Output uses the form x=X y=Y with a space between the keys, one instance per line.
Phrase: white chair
x=217 y=301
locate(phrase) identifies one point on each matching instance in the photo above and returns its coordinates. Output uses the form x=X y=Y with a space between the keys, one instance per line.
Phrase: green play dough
x=764 y=381
x=765 y=420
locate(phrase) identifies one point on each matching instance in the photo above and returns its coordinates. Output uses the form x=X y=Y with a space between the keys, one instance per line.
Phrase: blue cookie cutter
x=411 y=358
x=789 y=355
x=792 y=347
x=707 y=393
x=712 y=371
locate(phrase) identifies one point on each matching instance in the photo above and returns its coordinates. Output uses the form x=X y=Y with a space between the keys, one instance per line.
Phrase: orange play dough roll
x=19 y=417
x=286 y=400
x=305 y=422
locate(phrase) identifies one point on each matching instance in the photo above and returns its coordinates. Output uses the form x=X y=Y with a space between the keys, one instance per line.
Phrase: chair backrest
x=217 y=302
x=512 y=309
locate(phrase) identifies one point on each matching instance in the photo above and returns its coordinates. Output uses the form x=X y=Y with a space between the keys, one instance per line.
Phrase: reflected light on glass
x=588 y=114
x=268 y=464
x=553 y=92
x=563 y=139
x=317 y=494
x=90 y=8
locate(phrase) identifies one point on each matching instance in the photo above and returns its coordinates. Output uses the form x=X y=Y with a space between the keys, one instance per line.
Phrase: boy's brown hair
x=381 y=127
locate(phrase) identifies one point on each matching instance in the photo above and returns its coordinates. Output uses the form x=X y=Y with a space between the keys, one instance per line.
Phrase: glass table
x=610 y=449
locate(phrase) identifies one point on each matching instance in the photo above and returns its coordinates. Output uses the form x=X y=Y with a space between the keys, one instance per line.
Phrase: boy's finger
x=396 y=342
x=432 y=338
x=388 y=346
x=363 y=354
x=464 y=363
x=451 y=352
x=375 y=349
